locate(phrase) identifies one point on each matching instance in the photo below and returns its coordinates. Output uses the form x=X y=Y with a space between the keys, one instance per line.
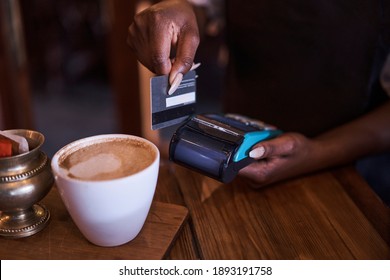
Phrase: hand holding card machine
x=217 y=145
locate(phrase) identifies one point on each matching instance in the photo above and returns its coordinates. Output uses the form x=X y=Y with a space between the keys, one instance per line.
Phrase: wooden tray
x=61 y=239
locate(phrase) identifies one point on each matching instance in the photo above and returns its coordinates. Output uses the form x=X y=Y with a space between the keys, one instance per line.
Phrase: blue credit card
x=168 y=110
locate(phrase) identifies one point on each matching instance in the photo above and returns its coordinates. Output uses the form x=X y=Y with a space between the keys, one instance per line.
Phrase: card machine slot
x=214 y=129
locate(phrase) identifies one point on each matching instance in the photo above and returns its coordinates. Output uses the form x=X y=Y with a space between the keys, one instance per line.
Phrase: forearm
x=367 y=135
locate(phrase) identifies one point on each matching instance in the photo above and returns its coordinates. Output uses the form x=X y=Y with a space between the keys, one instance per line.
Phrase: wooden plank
x=184 y=248
x=311 y=217
x=369 y=202
x=61 y=240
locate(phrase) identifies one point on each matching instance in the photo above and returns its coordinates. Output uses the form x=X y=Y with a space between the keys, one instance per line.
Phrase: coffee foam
x=95 y=166
x=106 y=159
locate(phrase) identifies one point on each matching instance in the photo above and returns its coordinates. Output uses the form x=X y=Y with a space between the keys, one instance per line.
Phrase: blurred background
x=66 y=71
x=67 y=52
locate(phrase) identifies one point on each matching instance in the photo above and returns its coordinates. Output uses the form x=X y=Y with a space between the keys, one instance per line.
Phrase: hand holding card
x=172 y=109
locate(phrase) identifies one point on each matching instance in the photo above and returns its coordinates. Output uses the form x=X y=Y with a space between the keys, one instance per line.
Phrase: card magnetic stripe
x=171 y=114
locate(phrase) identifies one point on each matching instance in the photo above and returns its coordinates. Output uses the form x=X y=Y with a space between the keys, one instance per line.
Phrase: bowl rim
x=30 y=135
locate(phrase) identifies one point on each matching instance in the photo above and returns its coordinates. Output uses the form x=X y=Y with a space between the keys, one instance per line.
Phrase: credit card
x=168 y=110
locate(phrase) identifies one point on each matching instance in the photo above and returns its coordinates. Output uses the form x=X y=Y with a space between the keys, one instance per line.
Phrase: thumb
x=187 y=45
x=280 y=146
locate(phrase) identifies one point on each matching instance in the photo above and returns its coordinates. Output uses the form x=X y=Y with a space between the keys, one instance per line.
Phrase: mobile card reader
x=217 y=145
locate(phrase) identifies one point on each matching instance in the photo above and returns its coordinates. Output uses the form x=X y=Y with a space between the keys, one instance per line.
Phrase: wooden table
x=328 y=215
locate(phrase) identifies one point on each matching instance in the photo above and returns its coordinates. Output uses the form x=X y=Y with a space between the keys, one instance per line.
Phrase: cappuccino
x=107 y=183
x=106 y=159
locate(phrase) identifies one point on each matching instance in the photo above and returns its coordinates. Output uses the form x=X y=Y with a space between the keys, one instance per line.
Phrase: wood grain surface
x=368 y=201
x=311 y=217
x=168 y=190
x=61 y=240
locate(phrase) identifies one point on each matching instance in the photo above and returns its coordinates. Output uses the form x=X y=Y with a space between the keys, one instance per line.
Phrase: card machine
x=217 y=145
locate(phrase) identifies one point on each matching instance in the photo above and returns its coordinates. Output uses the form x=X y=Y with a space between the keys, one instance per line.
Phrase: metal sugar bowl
x=25 y=179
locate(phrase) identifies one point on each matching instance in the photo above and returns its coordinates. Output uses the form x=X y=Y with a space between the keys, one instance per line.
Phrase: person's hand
x=286 y=156
x=163 y=33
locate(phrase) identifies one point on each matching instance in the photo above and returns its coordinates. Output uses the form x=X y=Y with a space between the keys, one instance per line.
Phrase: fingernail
x=175 y=84
x=257 y=152
x=194 y=66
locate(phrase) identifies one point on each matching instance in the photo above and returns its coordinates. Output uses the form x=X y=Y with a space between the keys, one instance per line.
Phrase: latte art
x=109 y=159
x=96 y=166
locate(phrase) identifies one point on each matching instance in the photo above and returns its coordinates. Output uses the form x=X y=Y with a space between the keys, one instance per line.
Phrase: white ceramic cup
x=108 y=212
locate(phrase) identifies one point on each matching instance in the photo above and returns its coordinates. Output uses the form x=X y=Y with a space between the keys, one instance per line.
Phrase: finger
x=179 y=77
x=256 y=173
x=151 y=47
x=257 y=152
x=160 y=53
x=187 y=45
x=175 y=84
x=277 y=147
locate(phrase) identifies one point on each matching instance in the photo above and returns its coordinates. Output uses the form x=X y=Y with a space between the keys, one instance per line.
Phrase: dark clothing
x=305 y=66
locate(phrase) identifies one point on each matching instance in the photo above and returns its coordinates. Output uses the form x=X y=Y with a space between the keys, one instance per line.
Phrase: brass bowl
x=25 y=179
